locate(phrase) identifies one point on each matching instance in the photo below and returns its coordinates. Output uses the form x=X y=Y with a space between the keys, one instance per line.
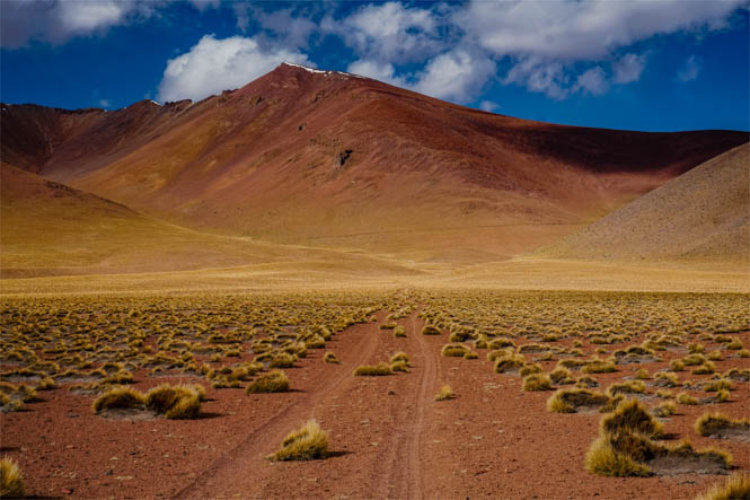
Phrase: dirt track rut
x=386 y=457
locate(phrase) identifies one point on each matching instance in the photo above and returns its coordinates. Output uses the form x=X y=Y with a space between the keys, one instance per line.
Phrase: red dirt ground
x=389 y=437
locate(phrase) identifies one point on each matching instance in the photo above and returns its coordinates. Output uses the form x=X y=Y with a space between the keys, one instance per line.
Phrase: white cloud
x=549 y=78
x=389 y=32
x=690 y=70
x=489 y=106
x=628 y=68
x=384 y=72
x=593 y=81
x=458 y=75
x=584 y=29
x=214 y=65
x=104 y=103
x=57 y=21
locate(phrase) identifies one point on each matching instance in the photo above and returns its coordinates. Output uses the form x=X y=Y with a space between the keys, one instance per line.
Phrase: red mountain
x=329 y=158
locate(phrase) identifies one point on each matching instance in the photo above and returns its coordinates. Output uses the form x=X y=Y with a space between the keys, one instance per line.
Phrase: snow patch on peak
x=154 y=102
x=319 y=71
x=306 y=68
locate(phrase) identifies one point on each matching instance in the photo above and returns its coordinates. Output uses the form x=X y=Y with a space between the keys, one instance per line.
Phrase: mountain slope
x=331 y=159
x=701 y=216
x=48 y=228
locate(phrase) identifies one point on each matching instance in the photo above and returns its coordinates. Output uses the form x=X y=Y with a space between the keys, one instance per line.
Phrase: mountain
x=331 y=159
x=51 y=229
x=702 y=216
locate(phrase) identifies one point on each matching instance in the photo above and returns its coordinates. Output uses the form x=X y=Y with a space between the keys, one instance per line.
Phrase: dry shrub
x=735 y=487
x=309 y=442
x=445 y=393
x=537 y=382
x=177 y=402
x=11 y=479
x=631 y=417
x=378 y=370
x=430 y=330
x=273 y=381
x=330 y=357
x=568 y=400
x=119 y=398
x=710 y=424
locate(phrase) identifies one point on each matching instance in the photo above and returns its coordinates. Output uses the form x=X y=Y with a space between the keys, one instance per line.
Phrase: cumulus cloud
x=628 y=68
x=593 y=81
x=213 y=65
x=584 y=29
x=458 y=75
x=388 y=32
x=384 y=72
x=689 y=71
x=549 y=78
x=57 y=21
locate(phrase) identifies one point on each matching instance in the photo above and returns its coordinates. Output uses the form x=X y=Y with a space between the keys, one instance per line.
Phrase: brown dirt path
x=241 y=470
x=377 y=457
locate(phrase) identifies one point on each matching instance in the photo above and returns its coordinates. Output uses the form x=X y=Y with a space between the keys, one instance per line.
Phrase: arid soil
x=389 y=437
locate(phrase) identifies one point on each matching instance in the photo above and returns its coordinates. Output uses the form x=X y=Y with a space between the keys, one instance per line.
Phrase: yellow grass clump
x=273 y=381
x=309 y=442
x=735 y=487
x=11 y=479
x=445 y=393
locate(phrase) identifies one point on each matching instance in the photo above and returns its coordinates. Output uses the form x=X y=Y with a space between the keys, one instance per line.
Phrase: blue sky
x=656 y=65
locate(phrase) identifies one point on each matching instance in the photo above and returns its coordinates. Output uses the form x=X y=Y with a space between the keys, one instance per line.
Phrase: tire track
x=232 y=471
x=406 y=478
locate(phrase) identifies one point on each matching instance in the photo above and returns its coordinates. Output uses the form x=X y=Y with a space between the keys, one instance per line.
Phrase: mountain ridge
x=301 y=156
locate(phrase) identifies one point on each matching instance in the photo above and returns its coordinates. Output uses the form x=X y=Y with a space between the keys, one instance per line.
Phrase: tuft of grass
x=664 y=379
x=710 y=424
x=707 y=368
x=537 y=382
x=561 y=376
x=400 y=356
x=630 y=416
x=399 y=331
x=604 y=460
x=282 y=360
x=599 y=366
x=119 y=398
x=676 y=365
x=309 y=442
x=454 y=350
x=735 y=487
x=330 y=357
x=530 y=369
x=631 y=387
x=11 y=479
x=379 y=370
x=509 y=363
x=273 y=381
x=568 y=400
x=445 y=393
x=175 y=402
x=430 y=330
x=686 y=399
x=664 y=409
x=400 y=366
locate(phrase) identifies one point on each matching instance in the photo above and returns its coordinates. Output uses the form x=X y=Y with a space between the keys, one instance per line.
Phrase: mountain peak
x=301 y=68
